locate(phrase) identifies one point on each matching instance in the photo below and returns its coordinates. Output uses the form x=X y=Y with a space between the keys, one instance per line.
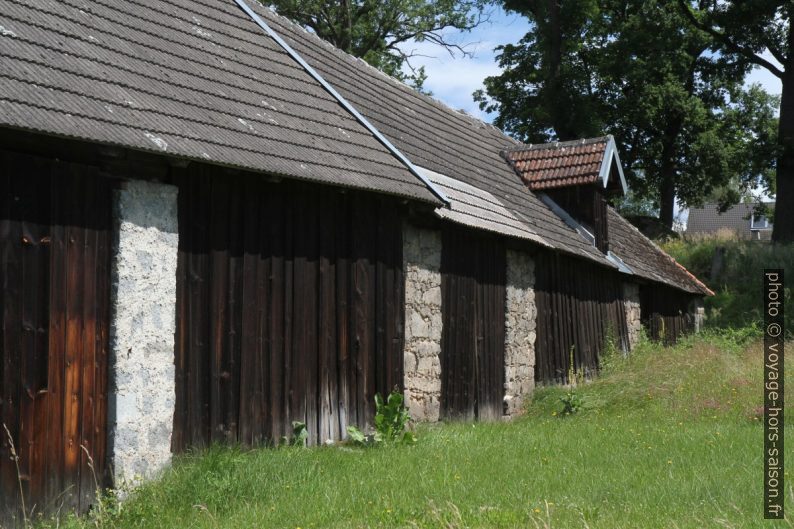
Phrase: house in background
x=740 y=219
x=212 y=224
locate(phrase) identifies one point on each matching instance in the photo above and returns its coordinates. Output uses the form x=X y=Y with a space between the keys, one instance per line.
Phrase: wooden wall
x=54 y=313
x=290 y=308
x=664 y=312
x=473 y=270
x=579 y=306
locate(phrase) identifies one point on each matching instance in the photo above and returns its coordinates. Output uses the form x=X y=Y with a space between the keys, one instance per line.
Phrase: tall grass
x=668 y=437
x=738 y=286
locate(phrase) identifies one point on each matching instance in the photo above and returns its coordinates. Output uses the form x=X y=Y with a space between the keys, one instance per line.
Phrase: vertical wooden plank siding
x=473 y=276
x=301 y=306
x=664 y=313
x=55 y=282
x=579 y=308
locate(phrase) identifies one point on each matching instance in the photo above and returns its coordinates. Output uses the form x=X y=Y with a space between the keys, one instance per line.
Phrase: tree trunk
x=667 y=173
x=783 y=227
x=554 y=88
x=667 y=198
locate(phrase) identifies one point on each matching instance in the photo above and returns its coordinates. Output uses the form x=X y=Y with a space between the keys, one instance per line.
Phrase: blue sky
x=452 y=79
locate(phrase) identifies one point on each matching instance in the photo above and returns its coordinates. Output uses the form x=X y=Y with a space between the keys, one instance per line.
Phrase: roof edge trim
x=610 y=154
x=623 y=267
x=567 y=218
x=342 y=101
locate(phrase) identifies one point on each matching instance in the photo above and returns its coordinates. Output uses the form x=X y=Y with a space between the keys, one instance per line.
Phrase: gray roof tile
x=199 y=79
x=188 y=80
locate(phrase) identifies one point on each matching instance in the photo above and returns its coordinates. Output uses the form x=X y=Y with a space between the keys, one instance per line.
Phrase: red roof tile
x=559 y=164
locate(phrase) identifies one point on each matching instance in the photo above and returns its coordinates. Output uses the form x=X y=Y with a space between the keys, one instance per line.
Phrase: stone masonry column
x=520 y=321
x=141 y=393
x=422 y=359
x=631 y=304
x=697 y=313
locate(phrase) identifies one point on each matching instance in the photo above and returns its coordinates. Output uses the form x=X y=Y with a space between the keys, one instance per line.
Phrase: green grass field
x=670 y=437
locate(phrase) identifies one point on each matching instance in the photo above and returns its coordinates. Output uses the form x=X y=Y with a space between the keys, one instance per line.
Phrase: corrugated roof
x=187 y=79
x=479 y=209
x=560 y=164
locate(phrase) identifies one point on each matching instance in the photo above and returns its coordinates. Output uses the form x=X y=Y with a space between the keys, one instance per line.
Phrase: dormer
x=577 y=176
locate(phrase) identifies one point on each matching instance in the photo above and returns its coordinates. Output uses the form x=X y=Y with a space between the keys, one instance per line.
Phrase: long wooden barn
x=213 y=224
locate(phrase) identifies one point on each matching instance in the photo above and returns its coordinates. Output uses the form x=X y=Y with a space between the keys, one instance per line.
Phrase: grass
x=738 y=287
x=669 y=437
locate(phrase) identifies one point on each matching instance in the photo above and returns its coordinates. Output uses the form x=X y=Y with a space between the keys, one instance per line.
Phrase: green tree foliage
x=639 y=70
x=374 y=30
x=742 y=31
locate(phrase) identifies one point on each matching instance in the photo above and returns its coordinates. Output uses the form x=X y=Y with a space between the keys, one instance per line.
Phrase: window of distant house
x=760 y=222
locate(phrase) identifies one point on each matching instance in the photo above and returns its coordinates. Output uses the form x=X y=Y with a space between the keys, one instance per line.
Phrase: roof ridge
x=558 y=144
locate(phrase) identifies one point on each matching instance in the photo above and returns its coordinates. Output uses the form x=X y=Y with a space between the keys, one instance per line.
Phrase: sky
x=453 y=79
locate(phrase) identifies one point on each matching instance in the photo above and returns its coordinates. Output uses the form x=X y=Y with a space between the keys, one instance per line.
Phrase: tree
x=742 y=31
x=374 y=30
x=638 y=70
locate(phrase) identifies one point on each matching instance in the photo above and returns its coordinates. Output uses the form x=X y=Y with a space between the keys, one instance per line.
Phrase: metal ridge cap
x=342 y=101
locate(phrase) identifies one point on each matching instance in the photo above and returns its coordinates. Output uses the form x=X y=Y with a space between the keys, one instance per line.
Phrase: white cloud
x=454 y=79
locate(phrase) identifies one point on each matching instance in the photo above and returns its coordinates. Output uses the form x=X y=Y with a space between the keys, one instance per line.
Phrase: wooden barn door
x=473 y=276
x=665 y=313
x=54 y=277
x=580 y=307
x=290 y=308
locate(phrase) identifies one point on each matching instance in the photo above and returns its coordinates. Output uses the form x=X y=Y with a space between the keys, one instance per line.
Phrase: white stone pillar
x=697 y=314
x=631 y=304
x=423 y=322
x=520 y=322
x=141 y=393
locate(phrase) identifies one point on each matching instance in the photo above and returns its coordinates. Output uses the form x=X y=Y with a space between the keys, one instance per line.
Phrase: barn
x=213 y=224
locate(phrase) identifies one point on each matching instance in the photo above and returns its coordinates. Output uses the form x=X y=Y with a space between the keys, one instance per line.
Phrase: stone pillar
x=520 y=321
x=697 y=313
x=141 y=394
x=631 y=304
x=422 y=359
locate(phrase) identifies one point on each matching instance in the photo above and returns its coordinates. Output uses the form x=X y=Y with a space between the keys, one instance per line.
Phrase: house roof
x=570 y=163
x=431 y=134
x=708 y=219
x=453 y=144
x=646 y=259
x=196 y=80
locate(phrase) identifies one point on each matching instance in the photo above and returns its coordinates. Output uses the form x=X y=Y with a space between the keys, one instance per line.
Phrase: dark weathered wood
x=54 y=226
x=664 y=312
x=472 y=342
x=306 y=292
x=578 y=308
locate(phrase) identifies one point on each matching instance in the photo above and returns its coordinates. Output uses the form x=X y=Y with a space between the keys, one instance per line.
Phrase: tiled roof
x=648 y=260
x=708 y=219
x=191 y=79
x=559 y=164
x=198 y=79
x=433 y=135
x=454 y=144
